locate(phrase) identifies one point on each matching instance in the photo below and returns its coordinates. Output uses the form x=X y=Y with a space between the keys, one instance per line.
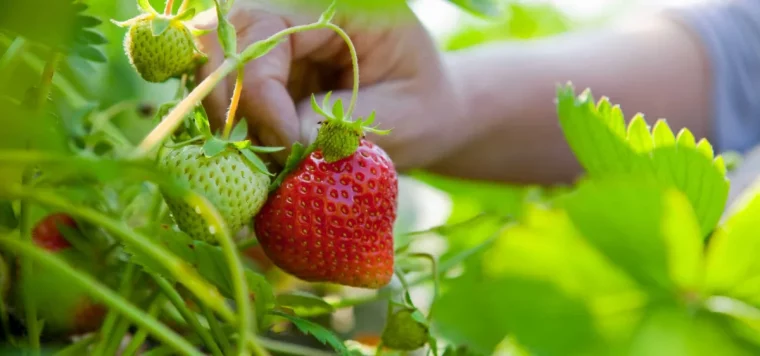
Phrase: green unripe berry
x=158 y=58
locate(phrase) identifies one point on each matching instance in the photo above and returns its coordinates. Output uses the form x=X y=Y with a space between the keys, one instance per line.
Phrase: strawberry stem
x=168 y=8
x=354 y=64
x=234 y=104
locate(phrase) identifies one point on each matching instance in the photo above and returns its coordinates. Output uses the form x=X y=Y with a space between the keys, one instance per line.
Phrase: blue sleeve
x=730 y=33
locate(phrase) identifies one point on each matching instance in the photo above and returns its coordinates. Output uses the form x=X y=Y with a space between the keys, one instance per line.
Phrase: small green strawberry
x=228 y=180
x=406 y=329
x=161 y=47
x=226 y=172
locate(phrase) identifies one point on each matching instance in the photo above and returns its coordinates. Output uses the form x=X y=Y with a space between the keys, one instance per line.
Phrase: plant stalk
x=168 y=8
x=176 y=300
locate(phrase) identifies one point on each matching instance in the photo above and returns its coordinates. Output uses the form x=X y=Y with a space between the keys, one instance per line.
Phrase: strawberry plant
x=137 y=229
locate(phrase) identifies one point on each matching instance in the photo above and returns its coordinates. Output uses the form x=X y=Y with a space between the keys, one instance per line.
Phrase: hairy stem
x=46 y=82
x=102 y=293
x=178 y=268
x=354 y=64
x=233 y=104
x=168 y=8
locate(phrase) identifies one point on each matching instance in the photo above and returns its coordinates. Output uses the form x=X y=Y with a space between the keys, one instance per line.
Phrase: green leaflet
x=322 y=334
x=732 y=266
x=597 y=134
x=304 y=304
x=648 y=231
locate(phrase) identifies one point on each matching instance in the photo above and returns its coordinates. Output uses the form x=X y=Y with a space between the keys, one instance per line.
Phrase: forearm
x=658 y=69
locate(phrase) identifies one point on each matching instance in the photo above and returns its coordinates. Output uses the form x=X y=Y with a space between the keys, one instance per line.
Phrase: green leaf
x=8 y=219
x=554 y=285
x=87 y=21
x=667 y=331
x=158 y=25
x=240 y=132
x=145 y=6
x=175 y=241
x=639 y=136
x=226 y=32
x=645 y=229
x=337 y=109
x=213 y=266
x=663 y=135
x=329 y=13
x=90 y=53
x=256 y=161
x=263 y=297
x=297 y=154
x=214 y=146
x=259 y=49
x=733 y=268
x=322 y=334
x=202 y=125
x=597 y=136
x=304 y=304
x=703 y=183
x=92 y=37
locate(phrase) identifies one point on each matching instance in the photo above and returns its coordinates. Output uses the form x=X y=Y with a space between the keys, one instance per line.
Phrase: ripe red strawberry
x=47 y=233
x=331 y=219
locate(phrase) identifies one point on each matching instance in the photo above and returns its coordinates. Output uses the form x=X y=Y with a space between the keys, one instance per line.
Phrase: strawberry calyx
x=160 y=22
x=339 y=136
x=214 y=144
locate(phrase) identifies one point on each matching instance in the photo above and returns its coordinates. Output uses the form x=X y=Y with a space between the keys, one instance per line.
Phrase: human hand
x=403 y=80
